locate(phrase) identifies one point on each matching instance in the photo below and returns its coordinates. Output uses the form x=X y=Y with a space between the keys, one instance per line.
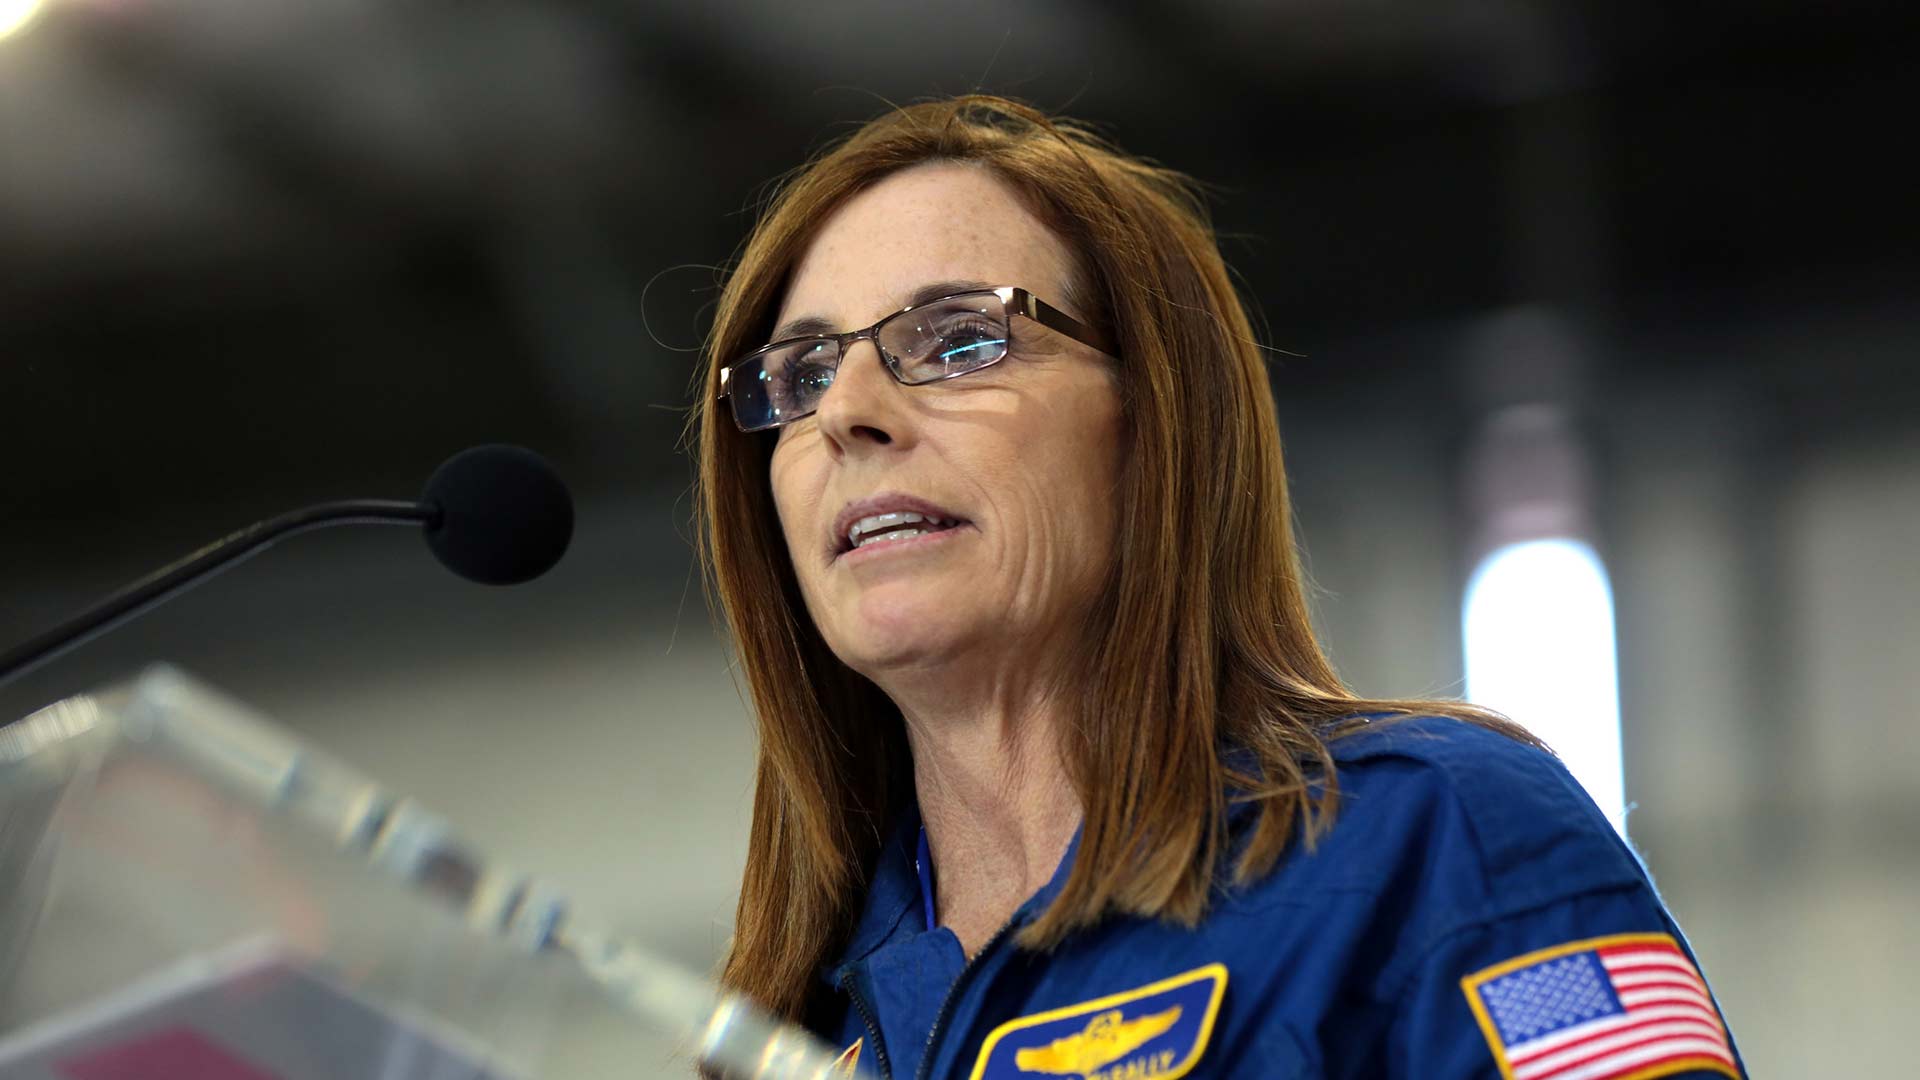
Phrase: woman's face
x=1023 y=456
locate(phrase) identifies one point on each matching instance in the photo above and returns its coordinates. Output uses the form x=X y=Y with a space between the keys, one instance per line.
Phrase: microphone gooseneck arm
x=196 y=567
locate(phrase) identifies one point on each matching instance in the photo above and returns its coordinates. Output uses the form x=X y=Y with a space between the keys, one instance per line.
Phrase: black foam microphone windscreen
x=505 y=516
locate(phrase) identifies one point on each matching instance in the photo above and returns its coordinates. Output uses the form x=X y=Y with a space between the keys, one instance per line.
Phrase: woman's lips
x=885 y=512
x=915 y=543
x=900 y=523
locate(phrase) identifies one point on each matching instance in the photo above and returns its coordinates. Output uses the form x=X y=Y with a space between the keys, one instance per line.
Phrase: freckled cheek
x=796 y=498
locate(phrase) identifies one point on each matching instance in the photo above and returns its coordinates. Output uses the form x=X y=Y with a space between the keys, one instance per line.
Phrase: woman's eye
x=968 y=342
x=803 y=383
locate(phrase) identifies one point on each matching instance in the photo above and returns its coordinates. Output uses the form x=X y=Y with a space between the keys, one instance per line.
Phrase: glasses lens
x=946 y=338
x=782 y=384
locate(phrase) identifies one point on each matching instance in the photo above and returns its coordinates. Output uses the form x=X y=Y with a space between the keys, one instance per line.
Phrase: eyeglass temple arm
x=1054 y=319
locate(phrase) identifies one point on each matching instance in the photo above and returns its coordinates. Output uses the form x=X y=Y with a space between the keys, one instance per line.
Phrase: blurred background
x=1634 y=279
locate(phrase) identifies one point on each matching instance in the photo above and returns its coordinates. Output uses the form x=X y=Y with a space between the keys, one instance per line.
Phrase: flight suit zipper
x=946 y=1004
x=872 y=1025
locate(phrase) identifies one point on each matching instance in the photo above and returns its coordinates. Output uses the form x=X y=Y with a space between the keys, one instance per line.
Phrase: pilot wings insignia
x=1107 y=1038
x=1157 y=1031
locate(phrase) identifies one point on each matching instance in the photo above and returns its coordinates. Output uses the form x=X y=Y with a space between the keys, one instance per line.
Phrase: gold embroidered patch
x=1154 y=1031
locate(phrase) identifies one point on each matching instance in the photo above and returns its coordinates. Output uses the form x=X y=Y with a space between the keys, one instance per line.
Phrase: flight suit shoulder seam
x=1397 y=984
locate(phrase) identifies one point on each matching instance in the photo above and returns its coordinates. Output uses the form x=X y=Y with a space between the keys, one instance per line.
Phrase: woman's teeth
x=897 y=525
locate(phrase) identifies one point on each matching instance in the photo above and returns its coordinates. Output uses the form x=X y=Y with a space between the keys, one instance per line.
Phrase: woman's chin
x=908 y=632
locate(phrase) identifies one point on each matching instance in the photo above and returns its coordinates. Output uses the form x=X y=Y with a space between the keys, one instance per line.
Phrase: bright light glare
x=14 y=14
x=1538 y=622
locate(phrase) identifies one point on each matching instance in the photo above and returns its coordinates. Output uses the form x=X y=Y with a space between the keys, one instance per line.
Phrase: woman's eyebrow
x=813 y=325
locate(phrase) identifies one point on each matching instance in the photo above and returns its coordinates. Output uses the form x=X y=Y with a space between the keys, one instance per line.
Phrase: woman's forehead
x=930 y=223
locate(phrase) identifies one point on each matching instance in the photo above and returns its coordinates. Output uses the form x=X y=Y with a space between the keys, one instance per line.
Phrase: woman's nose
x=865 y=407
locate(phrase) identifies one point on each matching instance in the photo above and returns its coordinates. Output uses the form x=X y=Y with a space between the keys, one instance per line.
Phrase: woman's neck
x=998 y=807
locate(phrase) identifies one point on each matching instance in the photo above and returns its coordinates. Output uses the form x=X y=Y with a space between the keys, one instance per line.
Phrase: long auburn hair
x=1205 y=643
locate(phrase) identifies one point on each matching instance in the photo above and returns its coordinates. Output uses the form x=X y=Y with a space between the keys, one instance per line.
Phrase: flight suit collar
x=893 y=896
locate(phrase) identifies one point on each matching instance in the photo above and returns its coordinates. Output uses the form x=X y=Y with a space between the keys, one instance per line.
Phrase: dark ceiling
x=261 y=253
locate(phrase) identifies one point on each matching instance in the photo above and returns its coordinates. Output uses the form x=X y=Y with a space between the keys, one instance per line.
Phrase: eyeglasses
x=939 y=339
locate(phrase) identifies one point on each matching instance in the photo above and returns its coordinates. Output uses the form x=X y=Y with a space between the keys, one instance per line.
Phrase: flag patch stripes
x=1625 y=1007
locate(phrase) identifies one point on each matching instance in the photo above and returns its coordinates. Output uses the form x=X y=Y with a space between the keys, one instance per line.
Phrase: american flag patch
x=1626 y=1007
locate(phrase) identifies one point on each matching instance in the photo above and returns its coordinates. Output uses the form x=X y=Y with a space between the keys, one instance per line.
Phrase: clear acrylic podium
x=189 y=893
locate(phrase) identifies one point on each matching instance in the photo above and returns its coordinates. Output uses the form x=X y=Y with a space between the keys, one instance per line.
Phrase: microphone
x=503 y=516
x=496 y=514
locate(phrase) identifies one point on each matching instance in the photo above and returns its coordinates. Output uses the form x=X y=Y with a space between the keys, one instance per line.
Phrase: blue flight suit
x=1470 y=914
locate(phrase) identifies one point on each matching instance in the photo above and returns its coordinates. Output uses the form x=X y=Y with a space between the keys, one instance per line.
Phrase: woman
x=1054 y=778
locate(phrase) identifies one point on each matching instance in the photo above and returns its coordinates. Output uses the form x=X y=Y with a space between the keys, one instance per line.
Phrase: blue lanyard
x=923 y=867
